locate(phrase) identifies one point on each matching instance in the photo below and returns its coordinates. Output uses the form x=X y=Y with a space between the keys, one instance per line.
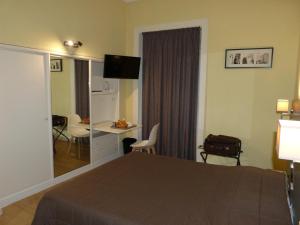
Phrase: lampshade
x=288 y=140
x=282 y=105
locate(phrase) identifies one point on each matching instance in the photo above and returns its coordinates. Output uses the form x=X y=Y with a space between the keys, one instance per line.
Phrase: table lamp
x=282 y=106
x=288 y=143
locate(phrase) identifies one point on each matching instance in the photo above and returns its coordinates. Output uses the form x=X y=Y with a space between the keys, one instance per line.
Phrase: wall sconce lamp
x=282 y=107
x=288 y=143
x=74 y=44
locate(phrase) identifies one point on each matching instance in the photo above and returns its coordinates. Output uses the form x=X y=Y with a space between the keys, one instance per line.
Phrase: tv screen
x=121 y=67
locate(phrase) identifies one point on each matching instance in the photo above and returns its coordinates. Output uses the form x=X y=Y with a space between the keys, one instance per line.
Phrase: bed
x=141 y=189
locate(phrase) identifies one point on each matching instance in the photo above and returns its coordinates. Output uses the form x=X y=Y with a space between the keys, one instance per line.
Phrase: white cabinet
x=104 y=146
x=105 y=95
x=104 y=107
x=25 y=139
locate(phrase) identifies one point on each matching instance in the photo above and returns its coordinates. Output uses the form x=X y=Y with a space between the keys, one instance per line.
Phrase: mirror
x=70 y=108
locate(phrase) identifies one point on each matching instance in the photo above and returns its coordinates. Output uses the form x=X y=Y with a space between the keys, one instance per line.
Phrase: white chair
x=76 y=130
x=147 y=145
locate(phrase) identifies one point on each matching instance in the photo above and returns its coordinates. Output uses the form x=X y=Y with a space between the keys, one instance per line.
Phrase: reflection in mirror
x=70 y=113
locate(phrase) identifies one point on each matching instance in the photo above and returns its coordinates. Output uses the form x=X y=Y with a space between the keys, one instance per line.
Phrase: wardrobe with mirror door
x=70 y=110
x=46 y=119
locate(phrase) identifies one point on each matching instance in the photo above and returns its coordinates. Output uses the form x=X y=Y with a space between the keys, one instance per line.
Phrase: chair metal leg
x=79 y=147
x=70 y=144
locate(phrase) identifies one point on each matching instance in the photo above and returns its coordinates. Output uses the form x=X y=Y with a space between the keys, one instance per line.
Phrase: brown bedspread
x=141 y=189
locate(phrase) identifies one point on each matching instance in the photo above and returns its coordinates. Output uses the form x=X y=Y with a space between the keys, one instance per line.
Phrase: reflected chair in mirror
x=77 y=131
x=147 y=145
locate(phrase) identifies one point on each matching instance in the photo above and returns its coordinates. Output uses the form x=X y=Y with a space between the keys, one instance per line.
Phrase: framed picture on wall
x=249 y=58
x=56 y=65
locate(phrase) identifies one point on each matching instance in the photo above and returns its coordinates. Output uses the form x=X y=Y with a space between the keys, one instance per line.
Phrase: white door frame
x=137 y=96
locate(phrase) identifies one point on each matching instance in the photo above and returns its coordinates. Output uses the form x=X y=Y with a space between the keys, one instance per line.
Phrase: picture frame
x=56 y=65
x=249 y=58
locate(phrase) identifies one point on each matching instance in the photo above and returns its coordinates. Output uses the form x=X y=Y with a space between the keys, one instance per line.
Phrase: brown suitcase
x=222 y=145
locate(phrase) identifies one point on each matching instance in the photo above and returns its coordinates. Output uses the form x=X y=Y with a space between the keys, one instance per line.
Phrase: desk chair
x=147 y=145
x=76 y=131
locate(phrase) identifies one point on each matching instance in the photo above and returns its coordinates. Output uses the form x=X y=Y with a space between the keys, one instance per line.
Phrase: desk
x=106 y=127
x=107 y=141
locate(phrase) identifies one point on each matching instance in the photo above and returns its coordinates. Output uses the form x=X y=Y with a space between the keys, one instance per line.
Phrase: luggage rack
x=59 y=124
x=204 y=155
x=221 y=151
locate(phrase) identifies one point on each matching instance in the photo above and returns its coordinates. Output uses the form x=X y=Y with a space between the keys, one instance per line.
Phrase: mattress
x=141 y=189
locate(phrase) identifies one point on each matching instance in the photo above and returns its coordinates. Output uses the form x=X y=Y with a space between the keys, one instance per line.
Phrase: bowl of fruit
x=120 y=124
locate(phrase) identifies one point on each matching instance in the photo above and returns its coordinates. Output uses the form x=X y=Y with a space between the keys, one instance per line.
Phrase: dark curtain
x=170 y=89
x=82 y=88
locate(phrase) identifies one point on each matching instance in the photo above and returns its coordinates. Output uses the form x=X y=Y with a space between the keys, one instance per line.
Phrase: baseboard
x=72 y=174
x=49 y=183
x=85 y=169
x=24 y=193
x=106 y=159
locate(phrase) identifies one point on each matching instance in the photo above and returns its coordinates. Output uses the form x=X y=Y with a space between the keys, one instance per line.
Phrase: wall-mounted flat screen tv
x=121 y=67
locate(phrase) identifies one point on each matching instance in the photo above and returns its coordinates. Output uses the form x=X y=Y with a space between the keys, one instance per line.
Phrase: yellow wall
x=99 y=24
x=240 y=102
x=61 y=96
x=297 y=92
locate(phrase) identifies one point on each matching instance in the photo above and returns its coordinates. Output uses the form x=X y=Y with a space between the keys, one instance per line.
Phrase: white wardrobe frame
x=14 y=197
